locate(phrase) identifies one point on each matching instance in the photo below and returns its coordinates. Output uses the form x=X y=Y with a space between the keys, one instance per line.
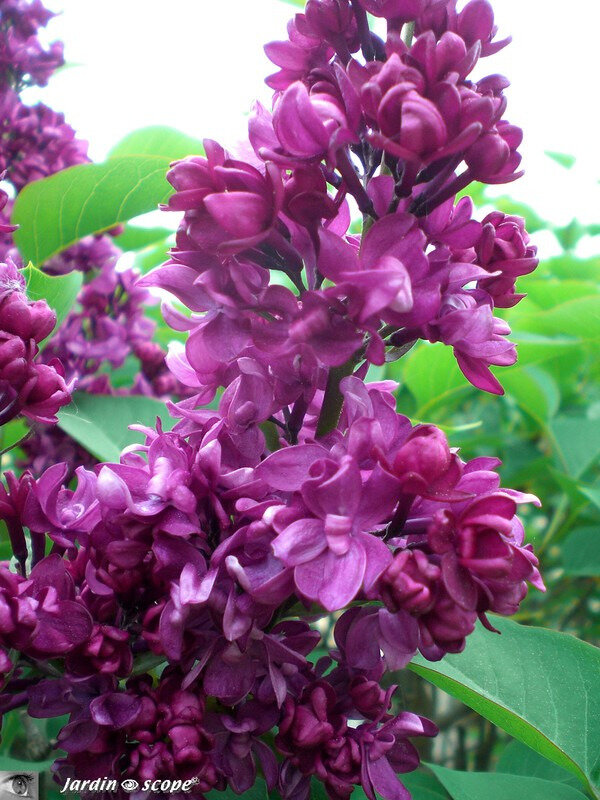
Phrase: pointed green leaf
x=540 y=686
x=100 y=422
x=518 y=759
x=55 y=212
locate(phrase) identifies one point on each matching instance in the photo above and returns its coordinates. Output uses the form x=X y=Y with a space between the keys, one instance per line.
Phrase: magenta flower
x=26 y=387
x=504 y=247
x=467 y=323
x=310 y=125
x=23 y=58
x=303 y=51
x=230 y=205
x=333 y=554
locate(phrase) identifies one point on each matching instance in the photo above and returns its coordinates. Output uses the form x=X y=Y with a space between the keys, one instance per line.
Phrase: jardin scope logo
x=129 y=785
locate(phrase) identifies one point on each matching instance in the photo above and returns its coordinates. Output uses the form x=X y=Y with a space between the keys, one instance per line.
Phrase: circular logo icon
x=129 y=785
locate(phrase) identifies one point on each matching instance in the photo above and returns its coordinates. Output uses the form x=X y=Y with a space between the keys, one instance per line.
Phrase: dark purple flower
x=387 y=751
x=504 y=247
x=35 y=390
x=296 y=57
x=65 y=515
x=410 y=582
x=238 y=747
x=329 y=544
x=230 y=206
x=334 y=22
x=23 y=58
x=466 y=322
x=5 y=227
x=36 y=141
x=426 y=466
x=12 y=502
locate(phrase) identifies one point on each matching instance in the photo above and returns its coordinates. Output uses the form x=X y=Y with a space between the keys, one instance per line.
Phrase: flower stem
x=333 y=399
x=364 y=32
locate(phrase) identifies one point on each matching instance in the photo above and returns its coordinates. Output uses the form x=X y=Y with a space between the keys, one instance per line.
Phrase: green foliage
x=494 y=786
x=578 y=443
x=424 y=786
x=581 y=552
x=135 y=238
x=158 y=140
x=60 y=292
x=431 y=374
x=58 y=211
x=100 y=422
x=507 y=680
x=518 y=759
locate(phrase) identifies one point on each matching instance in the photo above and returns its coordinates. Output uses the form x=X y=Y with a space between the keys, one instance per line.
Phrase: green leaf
x=579 y=318
x=433 y=377
x=578 y=443
x=99 y=422
x=569 y=235
x=534 y=390
x=540 y=686
x=135 y=237
x=158 y=140
x=537 y=349
x=257 y=792
x=581 y=552
x=55 y=212
x=551 y=293
x=495 y=786
x=60 y=292
x=563 y=159
x=567 y=265
x=592 y=493
x=12 y=432
x=423 y=786
x=518 y=759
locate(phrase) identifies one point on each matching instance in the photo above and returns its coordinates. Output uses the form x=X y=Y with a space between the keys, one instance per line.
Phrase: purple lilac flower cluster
x=109 y=325
x=181 y=599
x=399 y=133
x=24 y=61
x=199 y=554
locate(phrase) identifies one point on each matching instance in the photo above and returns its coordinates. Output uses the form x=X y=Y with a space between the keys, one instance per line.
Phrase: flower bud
x=409 y=583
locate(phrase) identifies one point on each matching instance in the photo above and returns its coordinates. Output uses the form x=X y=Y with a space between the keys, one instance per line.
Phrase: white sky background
x=197 y=65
